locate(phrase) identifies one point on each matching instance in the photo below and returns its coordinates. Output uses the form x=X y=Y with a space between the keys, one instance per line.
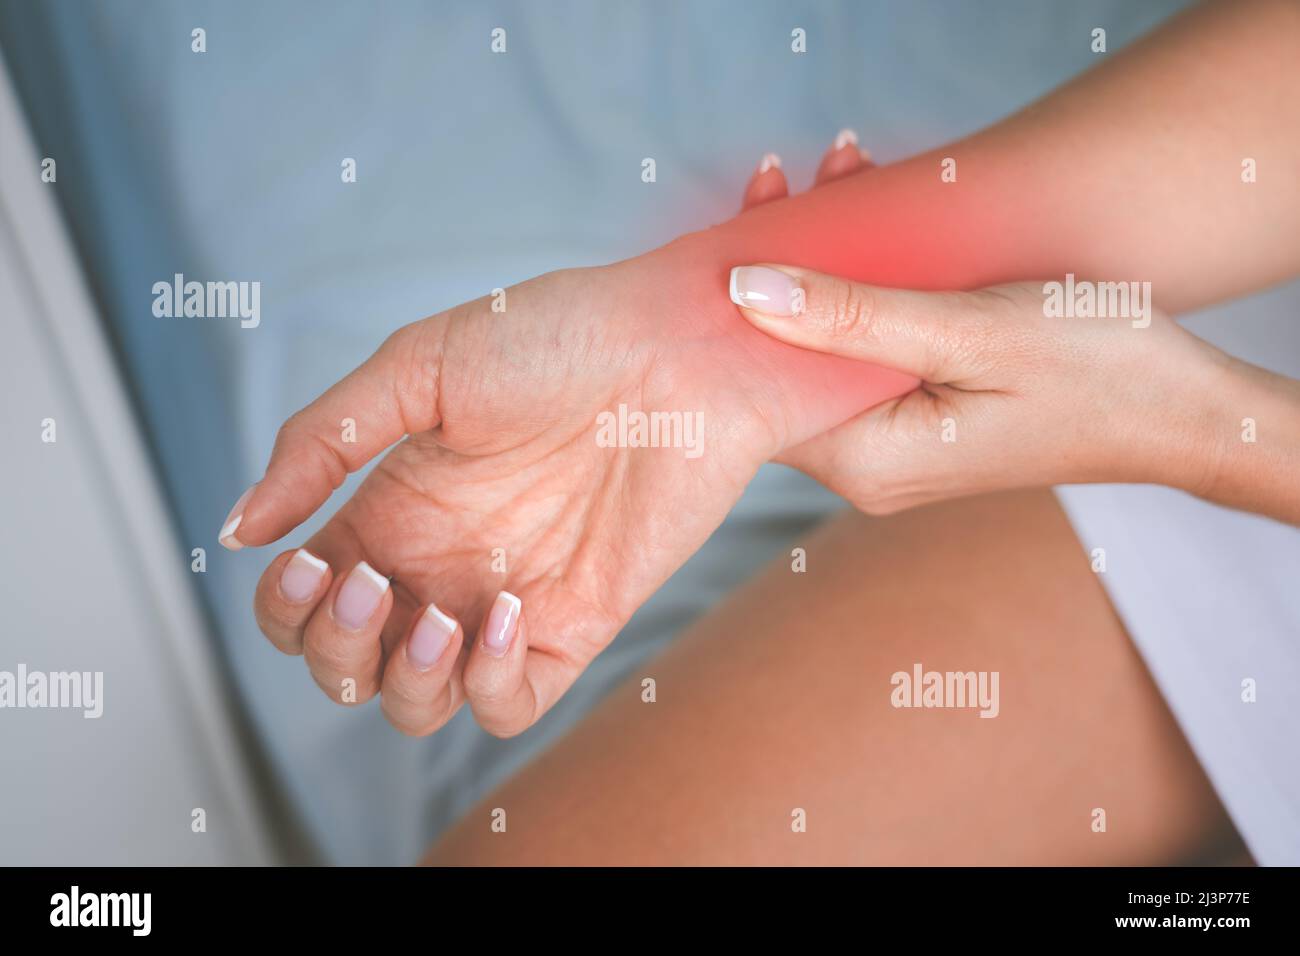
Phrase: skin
x=779 y=698
x=1015 y=593
x=499 y=406
x=502 y=454
x=1169 y=408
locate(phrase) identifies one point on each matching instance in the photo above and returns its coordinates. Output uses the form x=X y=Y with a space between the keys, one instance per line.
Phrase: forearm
x=1133 y=171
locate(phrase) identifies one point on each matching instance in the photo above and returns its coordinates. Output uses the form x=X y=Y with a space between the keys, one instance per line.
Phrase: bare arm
x=1132 y=171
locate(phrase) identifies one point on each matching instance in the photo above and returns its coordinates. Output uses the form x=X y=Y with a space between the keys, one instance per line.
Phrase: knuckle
x=400 y=698
x=333 y=672
x=406 y=721
x=412 y=356
x=283 y=633
x=853 y=312
x=499 y=710
x=275 y=618
x=302 y=443
x=415 y=730
x=485 y=693
x=401 y=340
x=331 y=458
x=283 y=640
x=996 y=300
x=504 y=730
x=404 y=349
x=291 y=430
x=334 y=686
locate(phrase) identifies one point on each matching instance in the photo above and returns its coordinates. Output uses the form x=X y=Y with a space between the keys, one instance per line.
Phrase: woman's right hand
x=1012 y=397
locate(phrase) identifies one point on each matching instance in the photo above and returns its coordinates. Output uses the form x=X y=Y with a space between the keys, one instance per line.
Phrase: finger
x=394 y=393
x=419 y=695
x=843 y=158
x=278 y=605
x=342 y=643
x=932 y=335
x=287 y=595
x=767 y=183
x=496 y=679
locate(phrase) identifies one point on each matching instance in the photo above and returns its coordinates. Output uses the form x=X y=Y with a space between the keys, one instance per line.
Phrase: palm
x=501 y=483
x=512 y=489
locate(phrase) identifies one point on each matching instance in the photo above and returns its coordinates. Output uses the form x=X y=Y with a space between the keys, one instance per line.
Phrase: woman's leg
x=780 y=700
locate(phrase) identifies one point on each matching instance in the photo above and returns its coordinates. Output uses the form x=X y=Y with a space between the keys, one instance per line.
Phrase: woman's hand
x=494 y=551
x=1011 y=397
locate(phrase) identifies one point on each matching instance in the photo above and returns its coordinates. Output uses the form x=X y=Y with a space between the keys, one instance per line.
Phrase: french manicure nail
x=845 y=137
x=227 y=534
x=502 y=622
x=301 y=576
x=359 y=596
x=769 y=161
x=430 y=638
x=765 y=290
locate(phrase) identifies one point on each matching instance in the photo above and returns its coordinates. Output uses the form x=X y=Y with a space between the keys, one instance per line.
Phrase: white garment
x=1211 y=598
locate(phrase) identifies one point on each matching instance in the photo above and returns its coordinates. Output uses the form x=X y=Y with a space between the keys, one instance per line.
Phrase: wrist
x=1254 y=428
x=797 y=393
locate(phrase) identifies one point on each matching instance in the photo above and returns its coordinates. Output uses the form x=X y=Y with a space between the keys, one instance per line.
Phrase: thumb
x=927 y=334
x=394 y=393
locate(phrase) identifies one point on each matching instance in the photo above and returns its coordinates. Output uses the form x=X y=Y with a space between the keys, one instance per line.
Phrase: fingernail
x=430 y=638
x=227 y=534
x=359 y=596
x=301 y=576
x=845 y=137
x=502 y=622
x=765 y=290
x=769 y=161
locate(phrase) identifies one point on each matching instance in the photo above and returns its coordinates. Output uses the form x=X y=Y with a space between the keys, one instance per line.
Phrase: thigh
x=779 y=708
